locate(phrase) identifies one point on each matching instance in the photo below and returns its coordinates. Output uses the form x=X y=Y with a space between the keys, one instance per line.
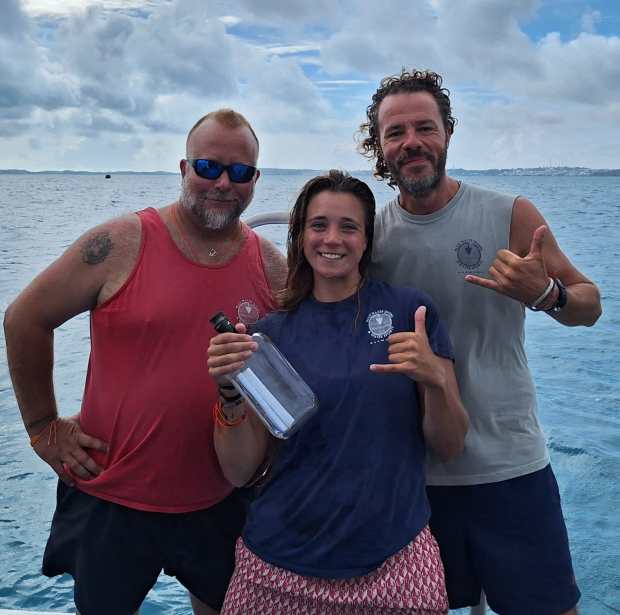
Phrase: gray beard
x=211 y=220
x=218 y=220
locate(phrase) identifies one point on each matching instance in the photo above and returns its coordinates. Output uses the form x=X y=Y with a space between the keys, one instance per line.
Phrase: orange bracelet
x=220 y=418
x=53 y=427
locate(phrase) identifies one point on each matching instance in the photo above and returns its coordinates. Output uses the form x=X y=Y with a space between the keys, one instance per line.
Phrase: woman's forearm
x=241 y=448
x=445 y=421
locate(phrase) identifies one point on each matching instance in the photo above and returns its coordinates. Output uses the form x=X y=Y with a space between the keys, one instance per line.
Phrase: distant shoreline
x=542 y=171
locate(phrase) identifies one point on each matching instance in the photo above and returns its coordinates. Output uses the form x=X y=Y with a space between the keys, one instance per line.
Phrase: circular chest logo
x=469 y=254
x=380 y=324
x=248 y=313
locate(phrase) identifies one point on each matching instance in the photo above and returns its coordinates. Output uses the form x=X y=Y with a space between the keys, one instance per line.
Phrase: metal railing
x=277 y=217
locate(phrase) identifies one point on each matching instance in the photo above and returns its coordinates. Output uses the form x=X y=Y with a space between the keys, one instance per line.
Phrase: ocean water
x=575 y=369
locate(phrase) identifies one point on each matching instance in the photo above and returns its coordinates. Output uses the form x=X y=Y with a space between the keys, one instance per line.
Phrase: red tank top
x=148 y=392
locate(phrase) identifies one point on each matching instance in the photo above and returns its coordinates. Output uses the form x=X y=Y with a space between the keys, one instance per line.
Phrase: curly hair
x=300 y=278
x=407 y=82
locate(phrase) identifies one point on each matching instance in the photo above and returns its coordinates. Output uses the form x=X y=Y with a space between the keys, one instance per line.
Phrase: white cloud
x=342 y=81
x=293 y=11
x=230 y=20
x=100 y=77
x=29 y=78
x=63 y=7
x=589 y=20
x=585 y=70
x=291 y=49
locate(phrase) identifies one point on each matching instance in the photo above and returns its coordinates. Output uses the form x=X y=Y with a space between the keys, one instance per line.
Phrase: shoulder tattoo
x=97 y=248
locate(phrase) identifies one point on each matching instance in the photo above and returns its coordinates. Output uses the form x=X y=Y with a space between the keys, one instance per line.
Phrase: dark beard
x=420 y=188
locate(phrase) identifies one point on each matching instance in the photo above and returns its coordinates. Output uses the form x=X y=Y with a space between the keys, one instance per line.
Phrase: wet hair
x=406 y=82
x=226 y=117
x=300 y=278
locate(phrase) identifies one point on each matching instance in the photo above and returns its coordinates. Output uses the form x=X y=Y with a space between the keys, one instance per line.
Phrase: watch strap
x=562 y=297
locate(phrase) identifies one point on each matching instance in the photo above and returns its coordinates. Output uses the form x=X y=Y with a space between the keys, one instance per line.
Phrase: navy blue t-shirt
x=347 y=490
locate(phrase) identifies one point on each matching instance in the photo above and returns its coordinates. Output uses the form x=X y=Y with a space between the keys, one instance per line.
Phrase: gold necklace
x=188 y=246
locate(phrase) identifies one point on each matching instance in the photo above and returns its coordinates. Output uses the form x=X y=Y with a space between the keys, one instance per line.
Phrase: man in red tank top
x=140 y=488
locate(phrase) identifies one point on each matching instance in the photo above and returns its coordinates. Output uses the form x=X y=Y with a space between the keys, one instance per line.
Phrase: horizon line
x=297 y=170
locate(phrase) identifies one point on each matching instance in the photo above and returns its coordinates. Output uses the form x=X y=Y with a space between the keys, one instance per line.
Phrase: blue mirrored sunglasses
x=238 y=172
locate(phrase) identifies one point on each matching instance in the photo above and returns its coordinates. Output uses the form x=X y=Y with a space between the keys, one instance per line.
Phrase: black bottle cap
x=221 y=323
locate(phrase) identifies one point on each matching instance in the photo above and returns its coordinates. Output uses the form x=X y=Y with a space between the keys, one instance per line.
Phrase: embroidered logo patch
x=469 y=253
x=248 y=312
x=380 y=325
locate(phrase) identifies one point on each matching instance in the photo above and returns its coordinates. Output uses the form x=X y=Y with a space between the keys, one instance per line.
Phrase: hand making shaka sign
x=410 y=353
x=522 y=278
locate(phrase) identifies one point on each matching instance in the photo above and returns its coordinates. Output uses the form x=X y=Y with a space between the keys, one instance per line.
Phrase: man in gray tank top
x=483 y=257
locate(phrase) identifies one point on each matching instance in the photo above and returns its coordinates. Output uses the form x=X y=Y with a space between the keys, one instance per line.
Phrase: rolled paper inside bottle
x=273 y=411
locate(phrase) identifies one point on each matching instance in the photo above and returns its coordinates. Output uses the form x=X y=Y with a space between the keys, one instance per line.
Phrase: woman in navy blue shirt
x=341 y=524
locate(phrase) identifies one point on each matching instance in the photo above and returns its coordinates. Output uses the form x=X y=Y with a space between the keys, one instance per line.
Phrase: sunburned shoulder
x=86 y=274
x=114 y=240
x=107 y=254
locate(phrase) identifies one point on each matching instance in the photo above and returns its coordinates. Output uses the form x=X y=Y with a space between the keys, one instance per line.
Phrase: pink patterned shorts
x=410 y=581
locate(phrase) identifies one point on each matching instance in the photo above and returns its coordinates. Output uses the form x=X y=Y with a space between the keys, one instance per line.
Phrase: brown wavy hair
x=407 y=81
x=300 y=278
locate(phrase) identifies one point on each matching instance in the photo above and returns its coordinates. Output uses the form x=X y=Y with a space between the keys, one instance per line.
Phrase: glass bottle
x=276 y=392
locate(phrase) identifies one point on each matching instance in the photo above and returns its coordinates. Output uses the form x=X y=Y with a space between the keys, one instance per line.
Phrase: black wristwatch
x=561 y=300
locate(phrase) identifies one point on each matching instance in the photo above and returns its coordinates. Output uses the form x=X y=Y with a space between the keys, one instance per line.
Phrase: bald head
x=226 y=118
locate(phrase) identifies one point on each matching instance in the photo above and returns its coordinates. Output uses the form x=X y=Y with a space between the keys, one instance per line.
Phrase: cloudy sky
x=115 y=84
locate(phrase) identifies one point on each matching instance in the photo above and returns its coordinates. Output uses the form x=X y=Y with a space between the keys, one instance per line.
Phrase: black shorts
x=115 y=553
x=508 y=538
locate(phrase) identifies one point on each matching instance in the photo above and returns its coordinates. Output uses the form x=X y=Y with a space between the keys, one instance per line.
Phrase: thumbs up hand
x=410 y=353
x=522 y=278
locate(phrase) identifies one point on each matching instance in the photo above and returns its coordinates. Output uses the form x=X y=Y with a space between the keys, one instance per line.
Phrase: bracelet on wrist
x=550 y=300
x=52 y=427
x=227 y=401
x=222 y=420
x=561 y=299
x=232 y=401
x=228 y=392
x=534 y=306
x=229 y=410
x=41 y=421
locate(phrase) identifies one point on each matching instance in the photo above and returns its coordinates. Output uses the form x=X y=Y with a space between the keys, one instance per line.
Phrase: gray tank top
x=434 y=252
